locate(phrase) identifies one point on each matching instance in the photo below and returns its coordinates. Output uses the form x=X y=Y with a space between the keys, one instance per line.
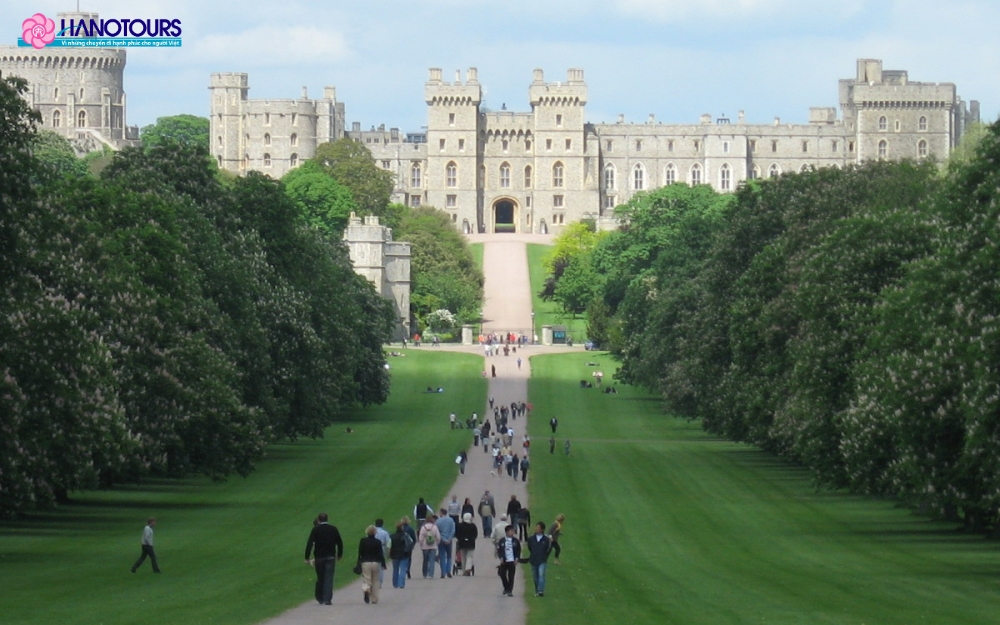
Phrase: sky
x=676 y=59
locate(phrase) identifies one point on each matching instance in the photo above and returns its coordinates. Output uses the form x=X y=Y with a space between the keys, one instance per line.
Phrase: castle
x=536 y=171
x=79 y=92
x=384 y=262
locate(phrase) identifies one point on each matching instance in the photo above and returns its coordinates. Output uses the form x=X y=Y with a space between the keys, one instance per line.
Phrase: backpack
x=429 y=539
x=407 y=543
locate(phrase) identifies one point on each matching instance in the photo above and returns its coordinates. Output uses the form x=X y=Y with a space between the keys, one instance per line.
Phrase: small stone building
x=384 y=262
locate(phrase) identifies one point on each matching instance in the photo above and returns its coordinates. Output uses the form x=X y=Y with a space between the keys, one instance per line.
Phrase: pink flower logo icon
x=38 y=31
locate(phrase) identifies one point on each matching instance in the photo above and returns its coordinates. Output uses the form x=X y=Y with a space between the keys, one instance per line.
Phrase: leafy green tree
x=325 y=203
x=55 y=152
x=442 y=270
x=183 y=129
x=350 y=163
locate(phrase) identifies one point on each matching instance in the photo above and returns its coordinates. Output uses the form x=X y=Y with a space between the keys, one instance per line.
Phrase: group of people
x=447 y=543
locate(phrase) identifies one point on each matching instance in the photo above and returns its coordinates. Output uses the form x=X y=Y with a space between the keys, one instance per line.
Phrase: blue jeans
x=399 y=572
x=538 y=574
x=444 y=555
x=487 y=525
x=428 y=566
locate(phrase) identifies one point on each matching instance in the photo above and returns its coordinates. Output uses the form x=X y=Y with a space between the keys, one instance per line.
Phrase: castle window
x=267 y=119
x=81 y=94
x=527 y=145
x=451 y=119
x=557 y=201
x=81 y=119
x=725 y=178
x=219 y=159
x=805 y=146
x=386 y=164
x=557 y=175
x=441 y=144
x=638 y=146
x=267 y=160
x=883 y=123
x=773 y=171
x=451 y=200
x=670 y=145
x=609 y=176
x=609 y=201
x=670 y=174
x=725 y=147
x=774 y=146
x=695 y=174
x=922 y=124
x=55 y=93
x=219 y=140
x=638 y=178
x=834 y=146
x=527 y=202
x=293 y=160
x=850 y=146
x=415 y=200
x=56 y=118
x=527 y=177
x=754 y=173
x=897 y=126
x=559 y=120
x=883 y=148
x=548 y=144
x=505 y=176
x=609 y=146
x=294 y=139
x=753 y=146
x=451 y=175
x=697 y=145
x=922 y=149
x=267 y=139
x=295 y=119
x=415 y=176
x=505 y=145
x=461 y=145
x=569 y=144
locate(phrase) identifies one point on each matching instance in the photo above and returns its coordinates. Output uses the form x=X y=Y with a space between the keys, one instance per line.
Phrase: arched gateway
x=505 y=215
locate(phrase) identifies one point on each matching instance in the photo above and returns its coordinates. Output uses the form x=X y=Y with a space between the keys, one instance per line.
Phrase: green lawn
x=232 y=552
x=550 y=313
x=666 y=524
x=477 y=254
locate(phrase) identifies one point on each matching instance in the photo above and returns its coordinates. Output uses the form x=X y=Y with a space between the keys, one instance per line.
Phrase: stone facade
x=384 y=262
x=271 y=136
x=536 y=171
x=78 y=91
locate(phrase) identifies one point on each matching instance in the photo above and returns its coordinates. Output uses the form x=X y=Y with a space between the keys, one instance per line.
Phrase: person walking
x=429 y=539
x=323 y=549
x=412 y=534
x=487 y=510
x=383 y=537
x=147 y=547
x=468 y=508
x=525 y=465
x=420 y=511
x=509 y=552
x=372 y=560
x=539 y=546
x=523 y=521
x=399 y=553
x=446 y=527
x=552 y=444
x=555 y=533
x=567 y=446
x=553 y=423
x=465 y=538
x=463 y=459
x=454 y=509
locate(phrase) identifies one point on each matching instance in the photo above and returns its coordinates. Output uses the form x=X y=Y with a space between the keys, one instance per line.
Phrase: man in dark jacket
x=509 y=550
x=539 y=547
x=329 y=547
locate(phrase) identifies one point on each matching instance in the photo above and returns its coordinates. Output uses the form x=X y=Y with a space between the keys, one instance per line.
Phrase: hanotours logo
x=39 y=31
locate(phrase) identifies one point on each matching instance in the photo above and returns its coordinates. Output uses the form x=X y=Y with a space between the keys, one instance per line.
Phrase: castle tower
x=79 y=92
x=454 y=167
x=565 y=167
x=228 y=95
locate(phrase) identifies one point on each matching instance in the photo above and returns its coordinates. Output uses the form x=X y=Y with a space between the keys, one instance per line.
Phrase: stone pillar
x=467 y=336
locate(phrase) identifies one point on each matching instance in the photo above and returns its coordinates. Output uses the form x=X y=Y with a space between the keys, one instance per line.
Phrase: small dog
x=493 y=473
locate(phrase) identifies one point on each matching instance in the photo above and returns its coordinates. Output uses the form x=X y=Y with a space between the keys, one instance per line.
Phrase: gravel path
x=459 y=600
